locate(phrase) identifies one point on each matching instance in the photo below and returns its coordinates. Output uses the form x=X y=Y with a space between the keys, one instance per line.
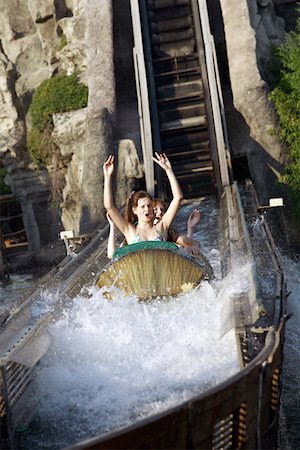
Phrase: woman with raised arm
x=141 y=206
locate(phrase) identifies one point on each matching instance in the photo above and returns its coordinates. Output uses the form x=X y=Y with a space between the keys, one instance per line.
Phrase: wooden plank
x=180 y=124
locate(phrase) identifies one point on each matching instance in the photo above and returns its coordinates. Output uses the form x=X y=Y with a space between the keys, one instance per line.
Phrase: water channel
x=114 y=362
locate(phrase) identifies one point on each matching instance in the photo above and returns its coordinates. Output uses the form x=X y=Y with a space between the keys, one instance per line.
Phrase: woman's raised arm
x=114 y=214
x=163 y=161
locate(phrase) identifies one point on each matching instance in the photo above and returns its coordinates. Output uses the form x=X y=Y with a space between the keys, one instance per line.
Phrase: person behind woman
x=185 y=241
x=192 y=221
x=140 y=206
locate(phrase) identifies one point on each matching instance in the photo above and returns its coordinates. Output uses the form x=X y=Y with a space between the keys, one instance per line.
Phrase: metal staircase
x=182 y=109
x=181 y=116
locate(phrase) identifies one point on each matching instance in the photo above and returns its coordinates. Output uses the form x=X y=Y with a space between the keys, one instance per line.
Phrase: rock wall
x=252 y=29
x=30 y=52
x=28 y=44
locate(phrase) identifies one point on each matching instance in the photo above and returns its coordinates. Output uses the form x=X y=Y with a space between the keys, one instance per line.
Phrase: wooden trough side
x=226 y=416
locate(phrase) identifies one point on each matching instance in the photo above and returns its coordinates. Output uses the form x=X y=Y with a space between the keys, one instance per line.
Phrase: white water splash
x=114 y=362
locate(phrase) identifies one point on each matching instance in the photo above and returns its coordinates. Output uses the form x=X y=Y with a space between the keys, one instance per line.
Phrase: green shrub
x=63 y=41
x=4 y=189
x=34 y=137
x=61 y=93
x=58 y=94
x=286 y=97
x=41 y=145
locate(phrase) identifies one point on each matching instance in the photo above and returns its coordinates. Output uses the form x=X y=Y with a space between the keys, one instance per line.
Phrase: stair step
x=188 y=153
x=177 y=23
x=195 y=94
x=156 y=15
x=175 y=65
x=157 y=4
x=180 y=103
x=196 y=178
x=201 y=158
x=189 y=122
x=183 y=112
x=179 y=140
x=182 y=47
x=181 y=174
x=178 y=59
x=192 y=163
x=179 y=90
x=173 y=36
x=188 y=71
x=183 y=78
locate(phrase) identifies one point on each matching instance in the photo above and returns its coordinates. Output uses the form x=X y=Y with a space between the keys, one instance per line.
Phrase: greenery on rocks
x=63 y=41
x=61 y=93
x=4 y=189
x=286 y=97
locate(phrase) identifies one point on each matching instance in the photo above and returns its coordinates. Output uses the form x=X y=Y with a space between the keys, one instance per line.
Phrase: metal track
x=181 y=116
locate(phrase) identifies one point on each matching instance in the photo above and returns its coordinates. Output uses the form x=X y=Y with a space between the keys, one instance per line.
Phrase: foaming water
x=115 y=362
x=16 y=287
x=206 y=232
x=290 y=398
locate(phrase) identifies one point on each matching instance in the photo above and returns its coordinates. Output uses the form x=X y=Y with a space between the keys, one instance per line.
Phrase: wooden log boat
x=153 y=269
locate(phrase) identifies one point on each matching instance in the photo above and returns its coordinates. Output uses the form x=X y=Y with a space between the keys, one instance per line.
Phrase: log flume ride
x=175 y=72
x=154 y=269
x=242 y=411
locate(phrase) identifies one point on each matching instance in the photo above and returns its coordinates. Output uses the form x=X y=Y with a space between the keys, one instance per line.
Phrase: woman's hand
x=192 y=250
x=194 y=218
x=162 y=160
x=108 y=166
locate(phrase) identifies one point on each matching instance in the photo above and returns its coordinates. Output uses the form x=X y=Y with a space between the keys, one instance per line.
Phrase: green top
x=122 y=251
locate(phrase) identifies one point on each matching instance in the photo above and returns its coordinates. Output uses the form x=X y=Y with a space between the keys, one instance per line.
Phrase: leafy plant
x=286 y=97
x=63 y=41
x=61 y=93
x=4 y=189
x=58 y=94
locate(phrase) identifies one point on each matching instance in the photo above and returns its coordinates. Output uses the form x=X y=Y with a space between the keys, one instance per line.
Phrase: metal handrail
x=216 y=94
x=143 y=97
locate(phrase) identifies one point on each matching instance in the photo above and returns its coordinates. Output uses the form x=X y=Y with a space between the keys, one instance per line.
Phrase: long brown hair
x=131 y=202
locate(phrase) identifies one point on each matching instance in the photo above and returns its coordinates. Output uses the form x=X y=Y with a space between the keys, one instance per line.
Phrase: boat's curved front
x=154 y=269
